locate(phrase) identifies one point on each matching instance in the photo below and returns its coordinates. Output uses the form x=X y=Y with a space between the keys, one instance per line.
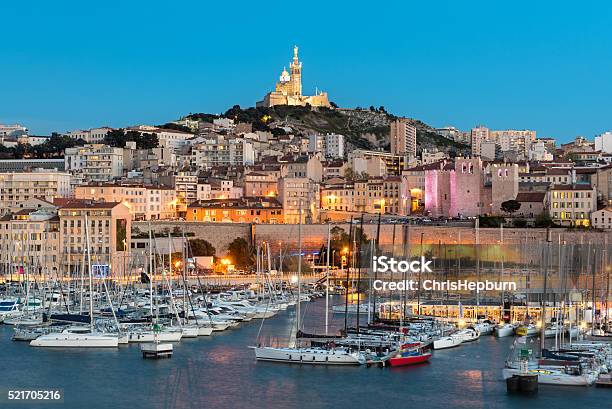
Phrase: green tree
x=201 y=247
x=119 y=137
x=510 y=206
x=240 y=253
x=490 y=221
x=349 y=173
x=340 y=242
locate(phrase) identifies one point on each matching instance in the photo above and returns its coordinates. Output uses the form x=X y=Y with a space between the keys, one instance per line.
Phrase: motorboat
x=9 y=307
x=528 y=330
x=410 y=354
x=485 y=327
x=504 y=330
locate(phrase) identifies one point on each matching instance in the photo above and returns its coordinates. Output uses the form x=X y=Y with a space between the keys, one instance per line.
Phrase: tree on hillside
x=175 y=127
x=119 y=137
x=510 y=206
x=240 y=253
x=201 y=247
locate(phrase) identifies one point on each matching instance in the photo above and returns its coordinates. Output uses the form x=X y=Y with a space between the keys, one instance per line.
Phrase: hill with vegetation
x=365 y=128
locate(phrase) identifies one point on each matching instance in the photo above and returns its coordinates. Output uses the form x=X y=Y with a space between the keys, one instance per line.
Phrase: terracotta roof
x=22 y=212
x=531 y=197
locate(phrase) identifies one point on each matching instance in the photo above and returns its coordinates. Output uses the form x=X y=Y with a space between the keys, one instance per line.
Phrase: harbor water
x=220 y=371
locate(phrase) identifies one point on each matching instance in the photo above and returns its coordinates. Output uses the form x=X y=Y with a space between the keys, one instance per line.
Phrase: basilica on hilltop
x=289 y=89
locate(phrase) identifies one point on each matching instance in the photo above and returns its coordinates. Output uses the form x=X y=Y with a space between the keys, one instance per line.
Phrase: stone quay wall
x=314 y=236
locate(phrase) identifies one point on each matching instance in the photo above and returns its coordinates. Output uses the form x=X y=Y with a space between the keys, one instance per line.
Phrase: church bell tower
x=295 y=68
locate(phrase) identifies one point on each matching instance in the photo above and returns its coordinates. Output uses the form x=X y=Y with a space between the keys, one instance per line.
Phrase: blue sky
x=539 y=65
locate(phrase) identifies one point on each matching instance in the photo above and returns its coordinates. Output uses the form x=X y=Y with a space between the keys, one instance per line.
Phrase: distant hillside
x=363 y=128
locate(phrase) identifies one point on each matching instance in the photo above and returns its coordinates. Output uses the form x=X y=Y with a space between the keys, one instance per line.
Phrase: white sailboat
x=80 y=337
x=77 y=337
x=468 y=334
x=554 y=376
x=447 y=342
x=307 y=355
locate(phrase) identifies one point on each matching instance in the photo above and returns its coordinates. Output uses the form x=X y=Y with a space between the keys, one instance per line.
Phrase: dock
x=156 y=350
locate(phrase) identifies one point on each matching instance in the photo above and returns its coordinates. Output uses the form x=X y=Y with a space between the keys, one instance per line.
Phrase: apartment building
x=42 y=184
x=334 y=169
x=260 y=185
x=478 y=135
x=144 y=202
x=29 y=242
x=392 y=196
x=166 y=138
x=393 y=164
x=220 y=152
x=339 y=196
x=403 y=138
x=571 y=205
x=186 y=188
x=90 y=136
x=299 y=193
x=602 y=219
x=109 y=228
x=243 y=210
x=304 y=167
x=331 y=145
x=94 y=163
x=514 y=140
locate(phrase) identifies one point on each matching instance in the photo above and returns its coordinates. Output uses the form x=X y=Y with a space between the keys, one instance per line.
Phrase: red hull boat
x=409 y=360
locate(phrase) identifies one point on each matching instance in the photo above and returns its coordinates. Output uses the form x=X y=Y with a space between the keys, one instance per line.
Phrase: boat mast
x=375 y=273
x=299 y=275
x=150 y=271
x=593 y=309
x=348 y=271
x=89 y=270
x=359 y=271
x=327 y=280
x=543 y=312
x=419 y=275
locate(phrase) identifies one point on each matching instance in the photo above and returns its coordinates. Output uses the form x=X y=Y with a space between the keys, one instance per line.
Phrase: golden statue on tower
x=289 y=89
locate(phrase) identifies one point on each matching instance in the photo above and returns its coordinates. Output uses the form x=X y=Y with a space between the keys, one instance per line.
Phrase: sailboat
x=331 y=355
x=80 y=337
